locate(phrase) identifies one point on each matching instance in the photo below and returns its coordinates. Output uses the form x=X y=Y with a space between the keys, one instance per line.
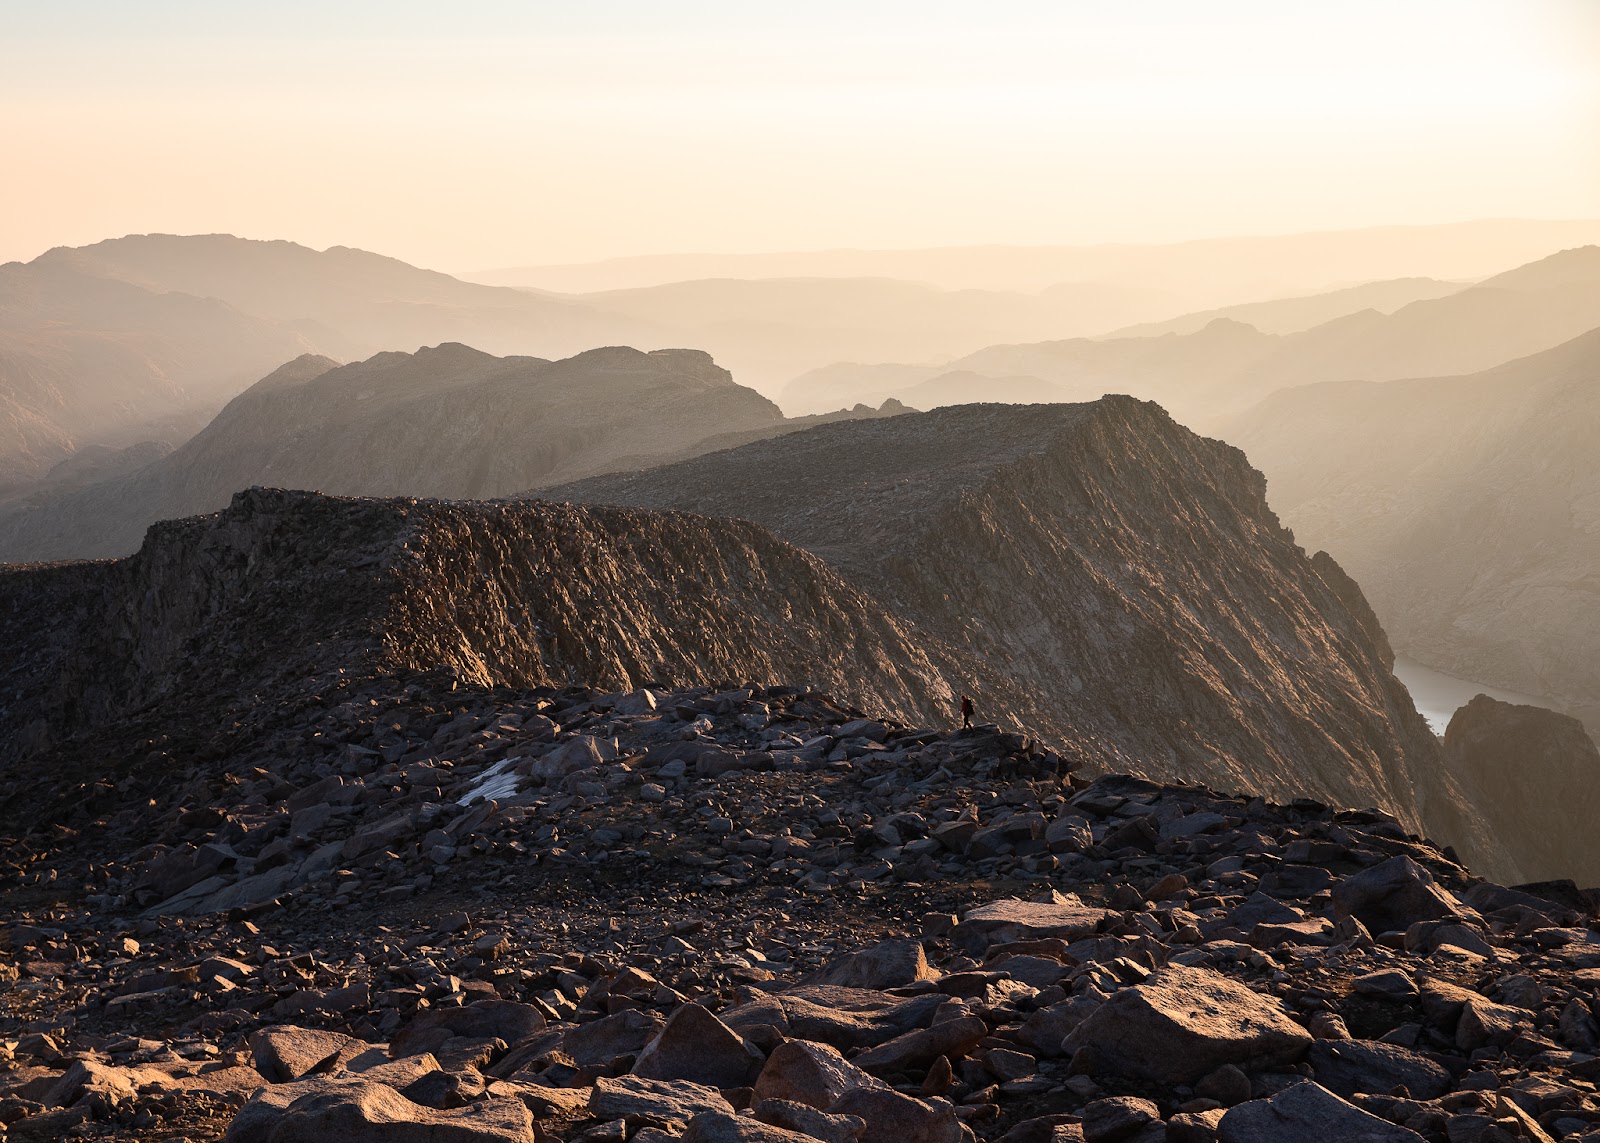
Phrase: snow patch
x=498 y=781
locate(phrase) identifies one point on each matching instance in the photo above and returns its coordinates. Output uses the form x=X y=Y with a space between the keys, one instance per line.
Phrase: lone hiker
x=966 y=713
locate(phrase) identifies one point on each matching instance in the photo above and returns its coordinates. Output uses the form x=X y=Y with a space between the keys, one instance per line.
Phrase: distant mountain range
x=148 y=336
x=450 y=421
x=1468 y=508
x=1203 y=274
x=1205 y=376
x=145 y=338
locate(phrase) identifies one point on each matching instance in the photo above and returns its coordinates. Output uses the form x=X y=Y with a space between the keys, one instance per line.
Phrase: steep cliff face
x=1537 y=774
x=1108 y=580
x=287 y=593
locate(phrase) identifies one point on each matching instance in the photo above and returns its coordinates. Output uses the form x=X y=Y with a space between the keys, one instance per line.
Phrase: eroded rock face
x=289 y=590
x=1538 y=773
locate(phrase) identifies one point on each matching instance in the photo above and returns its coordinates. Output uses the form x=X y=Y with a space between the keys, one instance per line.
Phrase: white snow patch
x=498 y=781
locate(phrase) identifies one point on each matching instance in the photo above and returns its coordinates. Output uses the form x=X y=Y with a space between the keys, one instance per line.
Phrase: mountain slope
x=448 y=421
x=1468 y=508
x=1105 y=578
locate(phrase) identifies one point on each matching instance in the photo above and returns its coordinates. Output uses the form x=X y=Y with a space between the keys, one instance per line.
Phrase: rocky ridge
x=743 y=913
x=1111 y=582
x=286 y=592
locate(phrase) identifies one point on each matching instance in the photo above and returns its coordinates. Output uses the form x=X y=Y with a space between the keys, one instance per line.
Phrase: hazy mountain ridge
x=450 y=421
x=85 y=359
x=1301 y=312
x=1467 y=507
x=1222 y=271
x=1223 y=368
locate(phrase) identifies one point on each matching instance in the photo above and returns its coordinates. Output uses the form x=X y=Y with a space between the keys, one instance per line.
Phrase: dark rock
x=1306 y=1111
x=1351 y=1067
x=1394 y=895
x=696 y=1046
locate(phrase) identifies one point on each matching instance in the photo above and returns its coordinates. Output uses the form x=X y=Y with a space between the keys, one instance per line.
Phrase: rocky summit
x=420 y=910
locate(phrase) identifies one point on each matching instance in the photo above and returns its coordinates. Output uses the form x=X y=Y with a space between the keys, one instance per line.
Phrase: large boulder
x=1004 y=921
x=365 y=1112
x=843 y=1017
x=486 y=1020
x=720 y=1127
x=917 y=1049
x=889 y=1115
x=1183 y=1023
x=601 y=1041
x=1307 y=1111
x=286 y=1052
x=813 y=1074
x=1370 y=1067
x=696 y=1046
x=888 y=964
x=1394 y=895
x=664 y=1101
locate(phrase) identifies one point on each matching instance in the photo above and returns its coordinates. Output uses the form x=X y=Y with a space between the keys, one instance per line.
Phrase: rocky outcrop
x=1538 y=776
x=1106 y=580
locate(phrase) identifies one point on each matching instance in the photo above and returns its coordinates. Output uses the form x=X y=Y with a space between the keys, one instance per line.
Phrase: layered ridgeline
x=448 y=421
x=1467 y=507
x=1105 y=579
x=1206 y=374
x=86 y=360
x=148 y=336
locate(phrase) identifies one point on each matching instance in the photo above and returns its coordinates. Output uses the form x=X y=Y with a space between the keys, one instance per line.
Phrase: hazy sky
x=482 y=133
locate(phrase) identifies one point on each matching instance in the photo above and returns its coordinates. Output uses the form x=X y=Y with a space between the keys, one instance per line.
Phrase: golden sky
x=486 y=133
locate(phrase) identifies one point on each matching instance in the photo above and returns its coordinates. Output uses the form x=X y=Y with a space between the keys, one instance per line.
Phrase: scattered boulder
x=1306 y=1111
x=1365 y=1067
x=1183 y=1023
x=1394 y=895
x=285 y=1052
x=695 y=1045
x=889 y=964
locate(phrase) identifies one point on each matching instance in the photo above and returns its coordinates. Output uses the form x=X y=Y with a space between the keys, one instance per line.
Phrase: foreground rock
x=751 y=913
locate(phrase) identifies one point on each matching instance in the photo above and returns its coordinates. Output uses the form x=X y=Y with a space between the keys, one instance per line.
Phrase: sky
x=485 y=133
